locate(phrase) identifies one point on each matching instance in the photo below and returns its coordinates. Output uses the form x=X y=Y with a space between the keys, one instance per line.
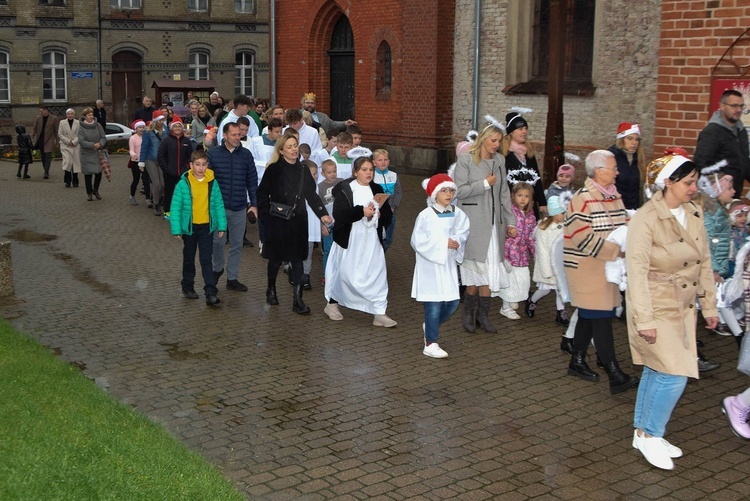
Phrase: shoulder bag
x=284 y=211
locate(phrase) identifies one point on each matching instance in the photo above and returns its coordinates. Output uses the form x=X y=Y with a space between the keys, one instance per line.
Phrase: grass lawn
x=61 y=437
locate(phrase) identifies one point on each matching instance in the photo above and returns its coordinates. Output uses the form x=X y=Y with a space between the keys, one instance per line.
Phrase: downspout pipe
x=477 y=27
x=99 y=45
x=273 y=51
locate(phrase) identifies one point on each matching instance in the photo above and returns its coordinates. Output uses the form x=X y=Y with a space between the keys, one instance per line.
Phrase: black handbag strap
x=299 y=190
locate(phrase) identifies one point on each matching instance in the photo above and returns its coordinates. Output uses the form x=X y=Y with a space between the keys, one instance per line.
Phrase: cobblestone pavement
x=299 y=407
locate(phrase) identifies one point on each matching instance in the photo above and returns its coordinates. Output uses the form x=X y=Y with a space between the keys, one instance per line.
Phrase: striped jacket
x=588 y=222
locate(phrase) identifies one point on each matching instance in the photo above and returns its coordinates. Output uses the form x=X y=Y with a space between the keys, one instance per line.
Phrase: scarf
x=608 y=191
x=519 y=150
x=204 y=119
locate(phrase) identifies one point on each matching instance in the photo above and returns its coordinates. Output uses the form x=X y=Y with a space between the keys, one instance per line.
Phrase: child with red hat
x=439 y=238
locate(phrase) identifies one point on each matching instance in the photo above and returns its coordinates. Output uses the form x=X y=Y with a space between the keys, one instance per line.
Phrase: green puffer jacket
x=181 y=210
x=719 y=231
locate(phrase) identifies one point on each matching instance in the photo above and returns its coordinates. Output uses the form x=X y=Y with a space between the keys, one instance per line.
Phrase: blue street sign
x=82 y=74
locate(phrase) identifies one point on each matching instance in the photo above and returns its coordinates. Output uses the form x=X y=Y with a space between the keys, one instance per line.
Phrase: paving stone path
x=299 y=407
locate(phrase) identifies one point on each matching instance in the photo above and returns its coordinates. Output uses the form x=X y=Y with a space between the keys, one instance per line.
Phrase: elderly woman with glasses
x=630 y=159
x=595 y=211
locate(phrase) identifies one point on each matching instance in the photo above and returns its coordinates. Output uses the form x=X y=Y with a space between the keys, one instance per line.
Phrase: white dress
x=435 y=271
x=356 y=276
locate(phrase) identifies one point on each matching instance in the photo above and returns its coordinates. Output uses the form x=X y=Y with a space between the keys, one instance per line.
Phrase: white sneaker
x=383 y=321
x=655 y=451
x=511 y=314
x=434 y=351
x=332 y=310
x=673 y=451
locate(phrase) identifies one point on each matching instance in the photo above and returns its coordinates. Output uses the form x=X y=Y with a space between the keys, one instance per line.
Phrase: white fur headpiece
x=523 y=175
x=359 y=151
x=494 y=122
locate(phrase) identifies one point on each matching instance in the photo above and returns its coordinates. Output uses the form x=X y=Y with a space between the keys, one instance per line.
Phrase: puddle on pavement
x=81 y=274
x=175 y=353
x=29 y=236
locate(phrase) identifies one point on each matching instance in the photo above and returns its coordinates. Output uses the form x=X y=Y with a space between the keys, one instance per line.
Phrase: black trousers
x=201 y=240
x=136 y=172
x=295 y=273
x=169 y=186
x=600 y=329
x=97 y=182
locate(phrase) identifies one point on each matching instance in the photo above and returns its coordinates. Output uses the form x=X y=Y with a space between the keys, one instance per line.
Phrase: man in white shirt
x=307 y=135
x=242 y=104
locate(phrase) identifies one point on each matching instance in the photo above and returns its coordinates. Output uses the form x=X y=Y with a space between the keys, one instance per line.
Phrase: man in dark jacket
x=174 y=160
x=234 y=170
x=146 y=111
x=100 y=114
x=725 y=138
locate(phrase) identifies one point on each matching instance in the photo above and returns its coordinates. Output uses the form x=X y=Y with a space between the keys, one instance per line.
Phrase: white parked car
x=118 y=131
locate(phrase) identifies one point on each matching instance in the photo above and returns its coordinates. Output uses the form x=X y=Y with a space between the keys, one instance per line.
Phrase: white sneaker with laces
x=434 y=351
x=655 y=451
x=511 y=314
x=673 y=450
x=332 y=310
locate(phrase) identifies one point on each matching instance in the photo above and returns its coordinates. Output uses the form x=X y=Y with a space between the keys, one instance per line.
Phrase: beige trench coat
x=668 y=268
x=71 y=154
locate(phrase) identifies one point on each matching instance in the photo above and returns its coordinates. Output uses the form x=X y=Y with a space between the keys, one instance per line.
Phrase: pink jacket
x=520 y=248
x=135 y=147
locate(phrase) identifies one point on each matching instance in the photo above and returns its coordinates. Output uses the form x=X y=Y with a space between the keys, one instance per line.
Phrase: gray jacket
x=88 y=135
x=477 y=203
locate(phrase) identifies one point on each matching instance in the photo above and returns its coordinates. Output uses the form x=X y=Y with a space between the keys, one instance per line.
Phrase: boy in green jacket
x=197 y=211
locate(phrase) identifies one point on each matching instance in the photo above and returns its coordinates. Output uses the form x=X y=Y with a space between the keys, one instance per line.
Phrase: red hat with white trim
x=436 y=183
x=628 y=128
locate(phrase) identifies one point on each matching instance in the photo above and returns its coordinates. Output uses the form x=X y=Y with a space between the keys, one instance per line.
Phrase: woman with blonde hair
x=484 y=196
x=630 y=160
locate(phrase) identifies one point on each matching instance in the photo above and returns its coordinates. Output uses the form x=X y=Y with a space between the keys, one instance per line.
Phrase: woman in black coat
x=286 y=240
x=519 y=157
x=630 y=157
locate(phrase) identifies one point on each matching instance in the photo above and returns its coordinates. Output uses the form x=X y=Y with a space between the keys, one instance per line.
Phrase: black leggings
x=97 y=182
x=136 y=172
x=295 y=273
x=600 y=329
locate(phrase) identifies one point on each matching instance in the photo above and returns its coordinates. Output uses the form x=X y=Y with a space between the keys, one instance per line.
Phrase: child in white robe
x=439 y=237
x=356 y=275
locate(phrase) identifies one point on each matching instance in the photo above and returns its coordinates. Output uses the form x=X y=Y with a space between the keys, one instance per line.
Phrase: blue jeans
x=389 y=231
x=435 y=315
x=236 y=222
x=327 y=242
x=658 y=394
x=202 y=241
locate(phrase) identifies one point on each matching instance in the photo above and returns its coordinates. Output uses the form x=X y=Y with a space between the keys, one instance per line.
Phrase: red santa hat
x=175 y=120
x=157 y=115
x=138 y=123
x=628 y=128
x=436 y=183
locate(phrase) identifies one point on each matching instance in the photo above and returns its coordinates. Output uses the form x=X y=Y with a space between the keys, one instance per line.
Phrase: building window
x=53 y=76
x=125 y=4
x=244 y=6
x=53 y=3
x=244 y=66
x=383 y=68
x=198 y=65
x=4 y=77
x=529 y=62
x=198 y=5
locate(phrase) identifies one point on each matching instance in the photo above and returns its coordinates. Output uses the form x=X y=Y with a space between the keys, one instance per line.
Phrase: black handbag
x=284 y=211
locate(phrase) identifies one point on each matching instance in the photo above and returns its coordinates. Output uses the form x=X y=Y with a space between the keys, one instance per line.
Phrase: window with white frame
x=198 y=5
x=244 y=67
x=198 y=65
x=4 y=77
x=244 y=6
x=53 y=76
x=125 y=4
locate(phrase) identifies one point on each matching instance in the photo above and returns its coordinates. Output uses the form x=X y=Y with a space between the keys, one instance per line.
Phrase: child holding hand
x=519 y=248
x=439 y=238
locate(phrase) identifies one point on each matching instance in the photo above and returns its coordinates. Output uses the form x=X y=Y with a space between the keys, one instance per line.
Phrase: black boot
x=19 y=171
x=75 y=180
x=469 y=315
x=562 y=318
x=566 y=345
x=306 y=285
x=618 y=380
x=483 y=315
x=67 y=178
x=579 y=367
x=739 y=339
x=298 y=306
x=271 y=297
x=530 y=308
